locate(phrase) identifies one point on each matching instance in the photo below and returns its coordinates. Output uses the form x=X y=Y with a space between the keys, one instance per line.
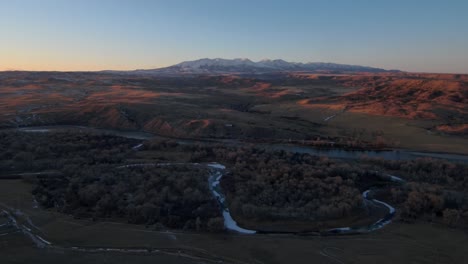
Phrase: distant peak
x=245 y=65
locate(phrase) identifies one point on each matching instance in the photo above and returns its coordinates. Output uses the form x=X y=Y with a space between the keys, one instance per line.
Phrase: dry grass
x=294 y=107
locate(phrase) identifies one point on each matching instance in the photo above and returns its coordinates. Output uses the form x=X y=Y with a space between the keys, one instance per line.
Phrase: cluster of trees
x=86 y=181
x=358 y=140
x=436 y=191
x=432 y=202
x=20 y=152
x=169 y=196
x=274 y=185
x=260 y=184
x=281 y=185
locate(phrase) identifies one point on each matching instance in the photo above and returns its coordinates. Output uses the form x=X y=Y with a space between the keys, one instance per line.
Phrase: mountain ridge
x=247 y=66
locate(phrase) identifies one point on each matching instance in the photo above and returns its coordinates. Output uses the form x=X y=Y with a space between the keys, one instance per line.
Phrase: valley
x=67 y=235
x=321 y=110
x=233 y=132
x=209 y=168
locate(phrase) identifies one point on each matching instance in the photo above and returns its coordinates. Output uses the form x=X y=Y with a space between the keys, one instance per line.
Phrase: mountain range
x=246 y=66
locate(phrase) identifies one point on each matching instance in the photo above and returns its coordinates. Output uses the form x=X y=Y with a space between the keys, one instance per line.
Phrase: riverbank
x=397 y=154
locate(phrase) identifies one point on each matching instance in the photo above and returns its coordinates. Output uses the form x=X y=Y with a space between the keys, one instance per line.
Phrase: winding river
x=214 y=181
x=218 y=170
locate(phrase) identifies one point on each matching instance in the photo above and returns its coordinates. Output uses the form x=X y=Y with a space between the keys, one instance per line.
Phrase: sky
x=88 y=35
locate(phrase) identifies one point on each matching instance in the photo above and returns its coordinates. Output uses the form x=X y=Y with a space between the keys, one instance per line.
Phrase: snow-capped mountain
x=280 y=64
x=223 y=66
x=216 y=66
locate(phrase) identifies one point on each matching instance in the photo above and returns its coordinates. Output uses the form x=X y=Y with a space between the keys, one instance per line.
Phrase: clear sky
x=412 y=35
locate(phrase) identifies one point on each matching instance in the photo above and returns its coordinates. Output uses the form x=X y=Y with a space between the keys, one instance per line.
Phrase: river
x=218 y=169
x=397 y=154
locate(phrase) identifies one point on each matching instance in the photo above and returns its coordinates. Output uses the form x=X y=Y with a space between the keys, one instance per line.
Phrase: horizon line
x=237 y=58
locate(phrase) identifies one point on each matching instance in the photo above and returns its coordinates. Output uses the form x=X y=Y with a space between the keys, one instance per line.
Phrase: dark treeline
x=172 y=196
x=279 y=185
x=259 y=184
x=436 y=190
x=355 y=140
x=283 y=185
x=20 y=152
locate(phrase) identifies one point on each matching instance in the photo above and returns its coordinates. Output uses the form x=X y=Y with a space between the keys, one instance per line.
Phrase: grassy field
x=397 y=243
x=398 y=132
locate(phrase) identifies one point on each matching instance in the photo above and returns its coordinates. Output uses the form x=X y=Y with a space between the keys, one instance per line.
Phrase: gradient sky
x=426 y=35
